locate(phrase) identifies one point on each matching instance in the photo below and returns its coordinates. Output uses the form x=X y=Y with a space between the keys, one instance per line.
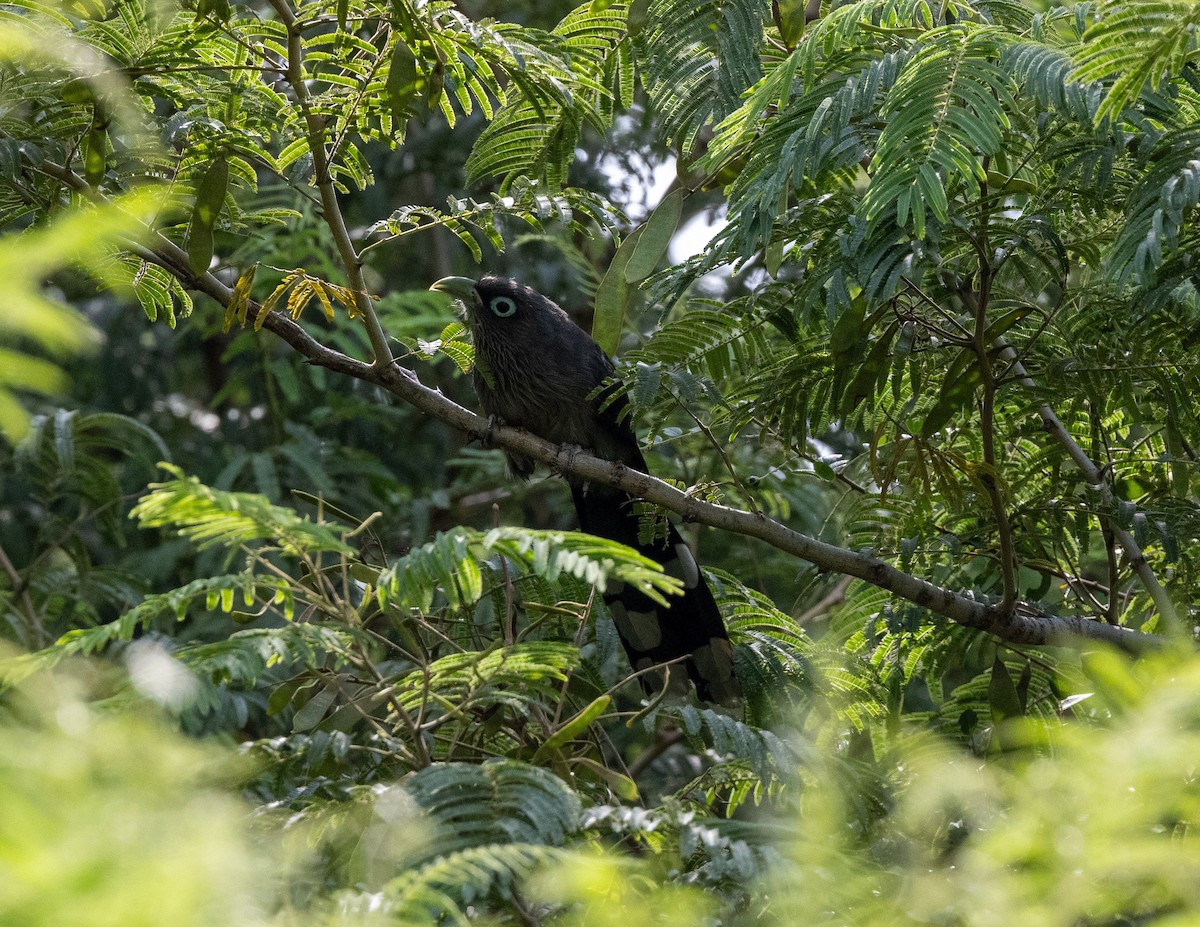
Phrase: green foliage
x=536 y=131
x=947 y=107
x=208 y=516
x=324 y=613
x=110 y=817
x=447 y=886
x=967 y=840
x=72 y=473
x=240 y=139
x=960 y=249
x=953 y=837
x=931 y=201
x=478 y=223
x=82 y=239
x=1137 y=44
x=697 y=59
x=445 y=565
x=500 y=801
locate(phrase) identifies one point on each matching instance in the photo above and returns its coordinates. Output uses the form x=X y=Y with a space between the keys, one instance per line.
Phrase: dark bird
x=536 y=369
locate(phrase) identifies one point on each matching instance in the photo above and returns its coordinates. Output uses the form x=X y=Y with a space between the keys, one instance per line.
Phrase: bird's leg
x=519 y=465
x=489 y=435
x=566 y=459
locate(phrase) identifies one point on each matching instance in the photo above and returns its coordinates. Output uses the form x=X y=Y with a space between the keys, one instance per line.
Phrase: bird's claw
x=565 y=458
x=489 y=435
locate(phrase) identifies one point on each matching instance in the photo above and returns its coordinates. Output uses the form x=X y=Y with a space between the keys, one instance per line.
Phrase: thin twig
x=37 y=634
x=990 y=477
x=316 y=125
x=1099 y=483
x=835 y=596
x=666 y=739
x=712 y=439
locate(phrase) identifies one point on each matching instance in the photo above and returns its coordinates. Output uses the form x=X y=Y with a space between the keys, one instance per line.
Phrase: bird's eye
x=503 y=306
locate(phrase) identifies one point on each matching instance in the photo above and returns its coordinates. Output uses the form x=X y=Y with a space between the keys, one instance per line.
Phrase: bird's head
x=496 y=305
x=514 y=327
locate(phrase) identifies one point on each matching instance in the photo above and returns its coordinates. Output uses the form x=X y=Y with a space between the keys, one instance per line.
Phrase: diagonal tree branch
x=1097 y=480
x=1022 y=626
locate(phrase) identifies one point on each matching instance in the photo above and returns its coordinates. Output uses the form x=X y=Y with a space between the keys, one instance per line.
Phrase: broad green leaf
x=573 y=728
x=403 y=82
x=789 y=19
x=210 y=198
x=95 y=154
x=656 y=234
x=1002 y=694
x=612 y=297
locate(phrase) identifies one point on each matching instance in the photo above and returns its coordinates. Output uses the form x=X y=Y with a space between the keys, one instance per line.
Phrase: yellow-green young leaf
x=268 y=304
x=302 y=292
x=14 y=424
x=240 y=300
x=95 y=155
x=30 y=373
x=403 y=82
x=612 y=296
x=210 y=197
x=326 y=305
x=789 y=18
x=573 y=728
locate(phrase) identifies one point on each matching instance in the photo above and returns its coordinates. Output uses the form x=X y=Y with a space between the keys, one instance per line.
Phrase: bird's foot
x=564 y=462
x=488 y=436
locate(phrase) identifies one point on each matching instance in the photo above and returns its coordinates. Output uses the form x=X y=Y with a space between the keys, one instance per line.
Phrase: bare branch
x=1017 y=627
x=1099 y=483
x=20 y=587
x=1021 y=626
x=978 y=303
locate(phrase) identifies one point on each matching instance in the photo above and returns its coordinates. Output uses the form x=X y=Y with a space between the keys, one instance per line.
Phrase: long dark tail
x=689 y=626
